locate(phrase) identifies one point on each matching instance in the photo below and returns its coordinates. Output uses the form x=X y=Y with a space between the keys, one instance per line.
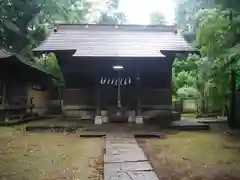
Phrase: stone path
x=125 y=160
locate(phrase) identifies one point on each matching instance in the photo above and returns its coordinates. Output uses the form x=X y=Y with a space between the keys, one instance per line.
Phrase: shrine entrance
x=117 y=94
x=117 y=89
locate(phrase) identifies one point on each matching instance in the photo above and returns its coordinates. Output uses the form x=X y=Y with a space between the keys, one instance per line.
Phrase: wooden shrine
x=115 y=73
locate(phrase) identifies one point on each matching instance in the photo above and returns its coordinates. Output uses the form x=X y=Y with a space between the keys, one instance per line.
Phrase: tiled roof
x=4 y=54
x=7 y=53
x=120 y=41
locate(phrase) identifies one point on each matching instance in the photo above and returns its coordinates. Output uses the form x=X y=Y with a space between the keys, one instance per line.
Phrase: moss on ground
x=195 y=156
x=49 y=156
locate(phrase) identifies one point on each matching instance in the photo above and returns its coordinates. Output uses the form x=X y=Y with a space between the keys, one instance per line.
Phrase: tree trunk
x=226 y=112
x=232 y=116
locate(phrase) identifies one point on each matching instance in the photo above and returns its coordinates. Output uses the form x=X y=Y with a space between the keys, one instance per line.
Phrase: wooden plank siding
x=79 y=97
x=156 y=97
x=86 y=98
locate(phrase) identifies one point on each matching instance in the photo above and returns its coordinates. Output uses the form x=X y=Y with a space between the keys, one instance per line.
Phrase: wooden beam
x=156 y=107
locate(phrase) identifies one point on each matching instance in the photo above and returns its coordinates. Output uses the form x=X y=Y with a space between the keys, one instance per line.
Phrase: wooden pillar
x=5 y=100
x=119 y=104
x=98 y=96
x=138 y=92
x=4 y=94
x=60 y=90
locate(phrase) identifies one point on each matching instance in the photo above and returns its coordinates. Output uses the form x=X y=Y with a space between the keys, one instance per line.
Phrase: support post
x=98 y=113
x=4 y=101
x=98 y=118
x=139 y=118
x=138 y=94
x=4 y=95
x=119 y=104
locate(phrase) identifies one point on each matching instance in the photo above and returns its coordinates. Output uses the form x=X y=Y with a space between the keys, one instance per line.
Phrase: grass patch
x=192 y=146
x=49 y=156
x=196 y=156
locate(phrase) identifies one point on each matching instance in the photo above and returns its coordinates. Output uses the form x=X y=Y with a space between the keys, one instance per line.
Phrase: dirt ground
x=49 y=156
x=195 y=156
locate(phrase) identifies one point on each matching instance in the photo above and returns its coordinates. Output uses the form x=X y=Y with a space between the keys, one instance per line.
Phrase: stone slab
x=117 y=176
x=129 y=166
x=98 y=120
x=143 y=175
x=125 y=160
x=111 y=141
x=120 y=150
x=212 y=121
x=124 y=153
x=189 y=125
x=119 y=136
x=135 y=175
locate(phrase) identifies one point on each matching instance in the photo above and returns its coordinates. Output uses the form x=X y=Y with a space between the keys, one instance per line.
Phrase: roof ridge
x=92 y=24
x=127 y=27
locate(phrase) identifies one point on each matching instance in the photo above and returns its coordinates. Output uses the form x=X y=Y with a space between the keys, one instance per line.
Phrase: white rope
x=114 y=81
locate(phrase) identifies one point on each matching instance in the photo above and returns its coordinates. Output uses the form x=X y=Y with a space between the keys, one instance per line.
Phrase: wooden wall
x=82 y=80
x=40 y=99
x=156 y=97
x=81 y=97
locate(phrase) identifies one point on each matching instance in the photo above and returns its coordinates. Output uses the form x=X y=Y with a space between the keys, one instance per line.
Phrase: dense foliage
x=112 y=15
x=214 y=26
x=157 y=18
x=24 y=24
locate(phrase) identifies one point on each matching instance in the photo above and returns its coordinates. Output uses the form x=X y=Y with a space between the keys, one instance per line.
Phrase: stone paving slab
x=119 y=136
x=110 y=141
x=125 y=160
x=117 y=176
x=125 y=157
x=143 y=175
x=129 y=166
x=189 y=125
x=135 y=175
x=123 y=153
x=121 y=150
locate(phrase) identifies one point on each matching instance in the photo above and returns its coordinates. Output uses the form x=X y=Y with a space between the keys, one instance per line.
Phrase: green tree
x=50 y=64
x=186 y=13
x=63 y=11
x=215 y=29
x=23 y=23
x=229 y=4
x=185 y=71
x=112 y=18
x=14 y=22
x=157 y=18
x=112 y=15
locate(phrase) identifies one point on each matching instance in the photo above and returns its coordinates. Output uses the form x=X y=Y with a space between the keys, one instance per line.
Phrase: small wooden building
x=115 y=72
x=23 y=87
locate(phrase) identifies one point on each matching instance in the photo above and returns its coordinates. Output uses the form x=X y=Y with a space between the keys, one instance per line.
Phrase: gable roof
x=4 y=53
x=116 y=41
